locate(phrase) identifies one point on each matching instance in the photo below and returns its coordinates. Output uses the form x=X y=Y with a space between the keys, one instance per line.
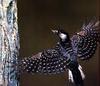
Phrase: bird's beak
x=55 y=31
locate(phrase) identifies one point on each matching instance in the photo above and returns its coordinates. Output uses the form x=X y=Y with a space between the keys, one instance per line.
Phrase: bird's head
x=64 y=37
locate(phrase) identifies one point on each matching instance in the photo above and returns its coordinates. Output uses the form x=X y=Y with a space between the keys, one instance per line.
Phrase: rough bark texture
x=9 y=43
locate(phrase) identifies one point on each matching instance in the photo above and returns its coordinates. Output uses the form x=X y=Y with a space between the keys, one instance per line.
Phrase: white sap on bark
x=9 y=43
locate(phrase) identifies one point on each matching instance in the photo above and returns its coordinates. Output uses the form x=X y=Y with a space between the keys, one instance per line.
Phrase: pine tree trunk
x=9 y=43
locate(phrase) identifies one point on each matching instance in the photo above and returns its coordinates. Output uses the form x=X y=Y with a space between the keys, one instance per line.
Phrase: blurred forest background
x=36 y=17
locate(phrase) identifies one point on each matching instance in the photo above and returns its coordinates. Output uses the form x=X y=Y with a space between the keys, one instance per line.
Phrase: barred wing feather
x=85 y=42
x=46 y=62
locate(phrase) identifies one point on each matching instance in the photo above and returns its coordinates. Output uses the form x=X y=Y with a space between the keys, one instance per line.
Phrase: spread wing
x=85 y=42
x=46 y=62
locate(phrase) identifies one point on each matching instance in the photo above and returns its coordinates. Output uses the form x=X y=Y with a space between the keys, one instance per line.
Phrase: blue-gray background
x=36 y=17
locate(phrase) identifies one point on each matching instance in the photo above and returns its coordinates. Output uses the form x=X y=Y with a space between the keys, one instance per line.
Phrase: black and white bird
x=64 y=56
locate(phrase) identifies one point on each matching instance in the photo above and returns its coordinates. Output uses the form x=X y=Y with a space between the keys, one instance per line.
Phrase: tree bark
x=9 y=43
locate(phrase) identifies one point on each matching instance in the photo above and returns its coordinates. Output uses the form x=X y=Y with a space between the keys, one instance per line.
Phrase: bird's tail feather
x=76 y=76
x=82 y=73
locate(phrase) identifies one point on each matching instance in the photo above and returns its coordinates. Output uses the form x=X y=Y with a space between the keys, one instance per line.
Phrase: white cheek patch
x=63 y=36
